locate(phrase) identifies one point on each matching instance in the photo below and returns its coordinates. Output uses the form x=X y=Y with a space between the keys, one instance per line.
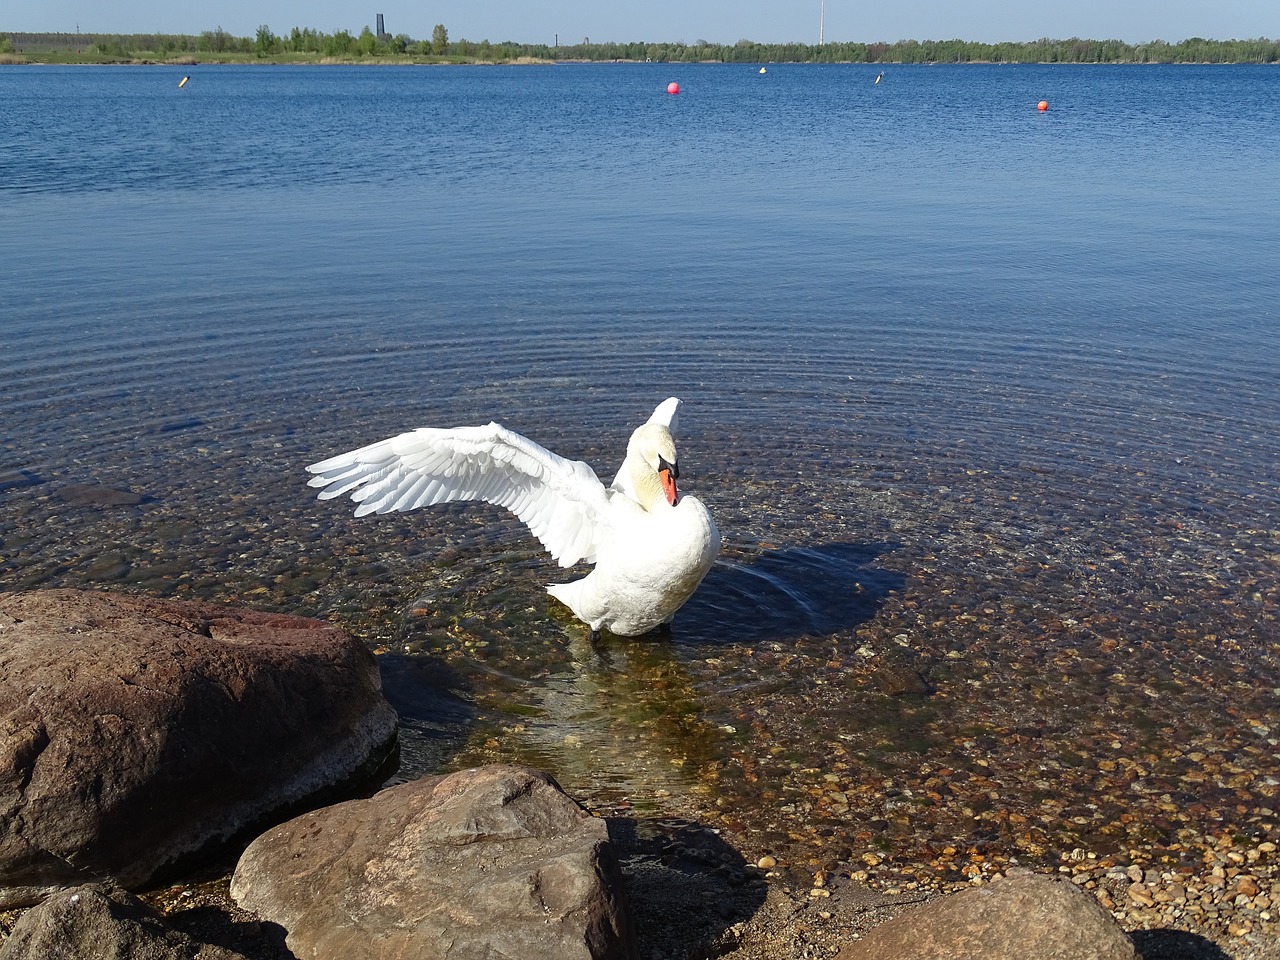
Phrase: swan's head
x=652 y=455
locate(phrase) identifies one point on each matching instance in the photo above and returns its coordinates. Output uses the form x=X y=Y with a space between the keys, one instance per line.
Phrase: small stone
x=1139 y=893
x=766 y=862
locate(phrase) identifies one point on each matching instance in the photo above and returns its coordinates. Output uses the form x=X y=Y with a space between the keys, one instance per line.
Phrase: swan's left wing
x=561 y=501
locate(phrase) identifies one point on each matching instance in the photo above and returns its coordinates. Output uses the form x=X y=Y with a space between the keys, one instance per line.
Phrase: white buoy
x=762 y=70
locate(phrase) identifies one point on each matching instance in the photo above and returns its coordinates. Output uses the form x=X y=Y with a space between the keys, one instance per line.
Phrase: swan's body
x=651 y=547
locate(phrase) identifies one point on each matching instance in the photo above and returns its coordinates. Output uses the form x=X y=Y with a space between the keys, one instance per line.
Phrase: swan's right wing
x=561 y=501
x=667 y=414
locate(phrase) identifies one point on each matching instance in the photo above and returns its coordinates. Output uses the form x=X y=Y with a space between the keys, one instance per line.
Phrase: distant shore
x=189 y=61
x=306 y=45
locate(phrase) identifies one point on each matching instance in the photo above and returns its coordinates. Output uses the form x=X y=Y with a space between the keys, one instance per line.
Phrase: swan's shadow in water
x=754 y=596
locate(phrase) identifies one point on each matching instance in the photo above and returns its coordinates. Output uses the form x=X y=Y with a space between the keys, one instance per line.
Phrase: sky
x=717 y=21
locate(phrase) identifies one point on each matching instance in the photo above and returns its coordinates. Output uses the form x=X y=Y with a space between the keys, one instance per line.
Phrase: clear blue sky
x=719 y=21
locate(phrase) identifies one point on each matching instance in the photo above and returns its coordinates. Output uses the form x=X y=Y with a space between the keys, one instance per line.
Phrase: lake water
x=985 y=401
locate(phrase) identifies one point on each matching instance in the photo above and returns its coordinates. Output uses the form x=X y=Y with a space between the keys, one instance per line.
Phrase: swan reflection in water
x=614 y=717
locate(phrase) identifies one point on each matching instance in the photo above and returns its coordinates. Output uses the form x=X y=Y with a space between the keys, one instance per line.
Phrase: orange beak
x=668 y=485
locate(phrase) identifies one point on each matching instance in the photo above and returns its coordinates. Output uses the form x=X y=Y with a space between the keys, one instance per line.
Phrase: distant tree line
x=308 y=43
x=264 y=44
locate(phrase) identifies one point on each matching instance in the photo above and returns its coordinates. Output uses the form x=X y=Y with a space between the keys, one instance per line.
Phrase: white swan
x=651 y=547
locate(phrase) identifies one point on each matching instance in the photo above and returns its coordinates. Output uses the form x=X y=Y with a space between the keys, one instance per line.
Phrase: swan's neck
x=649 y=468
x=646 y=484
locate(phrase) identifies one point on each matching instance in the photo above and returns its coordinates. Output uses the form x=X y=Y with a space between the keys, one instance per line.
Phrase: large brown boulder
x=135 y=732
x=483 y=864
x=94 y=922
x=1019 y=917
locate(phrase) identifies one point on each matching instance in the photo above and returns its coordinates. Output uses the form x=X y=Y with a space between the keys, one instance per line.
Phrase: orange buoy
x=673 y=88
x=1042 y=106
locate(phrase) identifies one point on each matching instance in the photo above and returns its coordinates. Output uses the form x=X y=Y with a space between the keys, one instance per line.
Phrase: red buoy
x=673 y=88
x=1042 y=106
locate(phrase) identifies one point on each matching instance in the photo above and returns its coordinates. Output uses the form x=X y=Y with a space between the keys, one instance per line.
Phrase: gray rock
x=94 y=922
x=484 y=864
x=137 y=732
x=1024 y=916
x=97 y=495
x=899 y=681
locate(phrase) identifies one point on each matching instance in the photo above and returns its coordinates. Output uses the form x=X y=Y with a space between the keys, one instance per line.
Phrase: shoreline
x=689 y=898
x=19 y=59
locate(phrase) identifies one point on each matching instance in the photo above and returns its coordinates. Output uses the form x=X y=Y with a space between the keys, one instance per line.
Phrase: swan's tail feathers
x=581 y=597
x=567 y=593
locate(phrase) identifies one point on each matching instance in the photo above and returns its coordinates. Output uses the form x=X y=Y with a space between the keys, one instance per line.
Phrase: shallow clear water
x=984 y=401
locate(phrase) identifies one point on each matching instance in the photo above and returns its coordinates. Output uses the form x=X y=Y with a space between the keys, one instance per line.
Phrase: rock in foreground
x=97 y=923
x=136 y=732
x=1022 y=916
x=483 y=864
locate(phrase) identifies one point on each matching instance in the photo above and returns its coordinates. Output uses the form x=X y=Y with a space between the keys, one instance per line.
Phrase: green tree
x=367 y=43
x=213 y=41
x=340 y=44
x=266 y=42
x=439 y=40
x=305 y=41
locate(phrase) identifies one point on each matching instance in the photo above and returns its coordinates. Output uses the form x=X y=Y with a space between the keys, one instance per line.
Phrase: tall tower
x=381 y=32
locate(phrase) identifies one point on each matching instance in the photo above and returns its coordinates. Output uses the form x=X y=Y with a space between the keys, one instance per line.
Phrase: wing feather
x=667 y=413
x=561 y=501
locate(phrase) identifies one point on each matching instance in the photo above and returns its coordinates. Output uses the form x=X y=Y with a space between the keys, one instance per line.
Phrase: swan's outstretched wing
x=562 y=501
